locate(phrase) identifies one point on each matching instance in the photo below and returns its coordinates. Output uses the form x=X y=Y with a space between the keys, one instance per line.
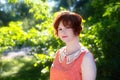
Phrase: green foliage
x=12 y=35
x=40 y=38
x=44 y=63
x=102 y=34
x=21 y=68
x=43 y=60
x=39 y=11
x=29 y=23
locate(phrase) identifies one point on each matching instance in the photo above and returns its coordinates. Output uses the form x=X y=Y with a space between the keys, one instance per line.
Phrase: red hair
x=70 y=19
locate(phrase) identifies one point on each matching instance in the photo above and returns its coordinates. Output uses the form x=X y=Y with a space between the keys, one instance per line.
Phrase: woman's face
x=65 y=33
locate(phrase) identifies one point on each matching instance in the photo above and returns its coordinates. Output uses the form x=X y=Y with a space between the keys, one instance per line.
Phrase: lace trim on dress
x=69 y=58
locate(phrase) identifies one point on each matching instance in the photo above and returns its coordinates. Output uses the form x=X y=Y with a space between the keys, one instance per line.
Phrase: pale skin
x=71 y=40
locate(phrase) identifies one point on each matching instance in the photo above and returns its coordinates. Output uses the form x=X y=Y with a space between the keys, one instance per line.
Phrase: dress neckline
x=69 y=58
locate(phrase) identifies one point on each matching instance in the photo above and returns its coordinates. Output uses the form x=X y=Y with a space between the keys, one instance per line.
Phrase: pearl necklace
x=69 y=58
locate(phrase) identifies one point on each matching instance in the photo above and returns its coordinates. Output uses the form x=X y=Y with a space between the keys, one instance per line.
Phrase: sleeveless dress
x=63 y=71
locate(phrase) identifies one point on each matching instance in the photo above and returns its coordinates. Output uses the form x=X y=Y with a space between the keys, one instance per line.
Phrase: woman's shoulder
x=88 y=55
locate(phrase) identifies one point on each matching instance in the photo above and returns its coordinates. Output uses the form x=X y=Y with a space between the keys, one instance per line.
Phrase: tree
x=102 y=33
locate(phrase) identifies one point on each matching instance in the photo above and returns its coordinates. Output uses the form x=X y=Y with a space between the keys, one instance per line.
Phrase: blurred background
x=28 y=44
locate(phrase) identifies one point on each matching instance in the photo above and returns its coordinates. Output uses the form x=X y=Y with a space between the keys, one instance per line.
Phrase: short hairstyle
x=70 y=19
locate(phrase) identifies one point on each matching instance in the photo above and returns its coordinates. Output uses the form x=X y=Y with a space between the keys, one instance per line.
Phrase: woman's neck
x=73 y=46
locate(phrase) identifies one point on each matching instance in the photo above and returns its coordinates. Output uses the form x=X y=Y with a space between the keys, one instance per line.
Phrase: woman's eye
x=59 y=29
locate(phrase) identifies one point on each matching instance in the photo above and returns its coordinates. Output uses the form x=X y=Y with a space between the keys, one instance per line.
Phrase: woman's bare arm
x=88 y=67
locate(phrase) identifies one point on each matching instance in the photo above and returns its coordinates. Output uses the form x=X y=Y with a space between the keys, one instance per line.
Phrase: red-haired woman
x=73 y=61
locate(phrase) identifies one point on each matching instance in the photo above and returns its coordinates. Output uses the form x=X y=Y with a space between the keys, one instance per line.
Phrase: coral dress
x=63 y=71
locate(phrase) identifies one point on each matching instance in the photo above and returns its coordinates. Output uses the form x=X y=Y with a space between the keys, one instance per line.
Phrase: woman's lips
x=64 y=36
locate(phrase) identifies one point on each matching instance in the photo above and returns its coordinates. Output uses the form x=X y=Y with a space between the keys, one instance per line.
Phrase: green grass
x=21 y=68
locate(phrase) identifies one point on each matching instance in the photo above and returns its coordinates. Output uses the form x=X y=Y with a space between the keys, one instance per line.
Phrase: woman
x=73 y=61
